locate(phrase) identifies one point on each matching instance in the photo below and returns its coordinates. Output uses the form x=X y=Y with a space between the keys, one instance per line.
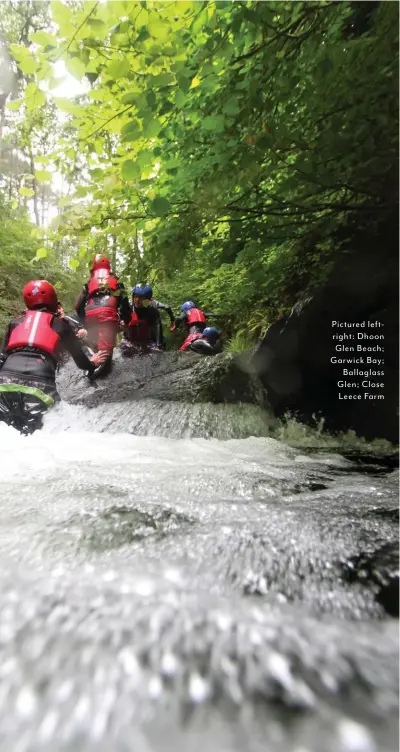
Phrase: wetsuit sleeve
x=180 y=319
x=75 y=325
x=125 y=309
x=81 y=302
x=163 y=307
x=213 y=315
x=74 y=347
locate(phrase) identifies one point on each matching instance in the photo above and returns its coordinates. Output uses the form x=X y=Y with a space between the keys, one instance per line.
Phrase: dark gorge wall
x=293 y=360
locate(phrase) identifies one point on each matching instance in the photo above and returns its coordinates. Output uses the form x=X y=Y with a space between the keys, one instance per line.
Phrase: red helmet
x=39 y=292
x=100 y=262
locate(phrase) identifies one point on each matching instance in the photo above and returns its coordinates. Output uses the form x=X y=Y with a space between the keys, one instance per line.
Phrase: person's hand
x=81 y=333
x=172 y=328
x=98 y=358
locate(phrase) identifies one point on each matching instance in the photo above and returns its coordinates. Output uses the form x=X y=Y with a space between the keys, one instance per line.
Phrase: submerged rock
x=379 y=570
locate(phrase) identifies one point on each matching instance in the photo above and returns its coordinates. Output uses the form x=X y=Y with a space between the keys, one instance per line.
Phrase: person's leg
x=22 y=406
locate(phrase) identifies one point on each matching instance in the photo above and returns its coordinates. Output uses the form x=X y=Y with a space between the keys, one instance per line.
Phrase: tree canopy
x=225 y=151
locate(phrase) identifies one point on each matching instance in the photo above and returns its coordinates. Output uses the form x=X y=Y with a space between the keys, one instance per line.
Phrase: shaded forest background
x=229 y=152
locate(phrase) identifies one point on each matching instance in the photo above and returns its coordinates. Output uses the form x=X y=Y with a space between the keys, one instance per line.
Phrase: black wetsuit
x=27 y=376
x=161 y=307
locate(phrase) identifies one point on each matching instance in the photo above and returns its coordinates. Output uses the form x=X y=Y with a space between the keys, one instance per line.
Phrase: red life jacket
x=138 y=329
x=134 y=319
x=191 y=338
x=195 y=316
x=102 y=281
x=34 y=331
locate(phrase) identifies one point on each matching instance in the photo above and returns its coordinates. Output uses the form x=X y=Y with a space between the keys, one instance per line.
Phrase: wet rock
x=181 y=377
x=379 y=569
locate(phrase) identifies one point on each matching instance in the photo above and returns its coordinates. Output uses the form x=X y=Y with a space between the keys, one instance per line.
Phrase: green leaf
x=130 y=98
x=160 y=206
x=231 y=107
x=119 y=68
x=44 y=38
x=159 y=29
x=41 y=253
x=28 y=65
x=62 y=15
x=15 y=104
x=26 y=191
x=132 y=127
x=75 y=67
x=151 y=128
x=180 y=98
x=145 y=158
x=214 y=123
x=65 y=105
x=163 y=79
x=184 y=83
x=73 y=263
x=130 y=170
x=42 y=176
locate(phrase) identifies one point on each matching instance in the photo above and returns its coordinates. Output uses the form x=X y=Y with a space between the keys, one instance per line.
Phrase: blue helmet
x=144 y=291
x=211 y=333
x=187 y=306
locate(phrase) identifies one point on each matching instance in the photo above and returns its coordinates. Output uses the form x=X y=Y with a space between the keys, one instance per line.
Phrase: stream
x=168 y=585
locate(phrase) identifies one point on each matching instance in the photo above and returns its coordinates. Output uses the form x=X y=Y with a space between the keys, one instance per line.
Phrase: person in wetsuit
x=102 y=303
x=29 y=356
x=143 y=331
x=159 y=307
x=194 y=319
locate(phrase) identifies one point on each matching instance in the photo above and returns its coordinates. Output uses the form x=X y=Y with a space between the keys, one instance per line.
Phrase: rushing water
x=166 y=593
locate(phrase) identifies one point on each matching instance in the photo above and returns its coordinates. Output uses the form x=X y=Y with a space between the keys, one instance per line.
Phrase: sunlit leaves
x=62 y=15
x=41 y=253
x=43 y=176
x=26 y=191
x=131 y=131
x=159 y=29
x=44 y=38
x=15 y=104
x=130 y=170
x=119 y=68
x=76 y=67
x=34 y=97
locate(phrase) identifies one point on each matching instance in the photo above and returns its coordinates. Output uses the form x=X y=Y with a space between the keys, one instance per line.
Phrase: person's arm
x=74 y=347
x=213 y=315
x=163 y=307
x=180 y=319
x=125 y=309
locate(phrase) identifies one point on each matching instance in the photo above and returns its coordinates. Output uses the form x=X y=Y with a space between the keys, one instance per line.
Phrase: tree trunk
x=35 y=188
